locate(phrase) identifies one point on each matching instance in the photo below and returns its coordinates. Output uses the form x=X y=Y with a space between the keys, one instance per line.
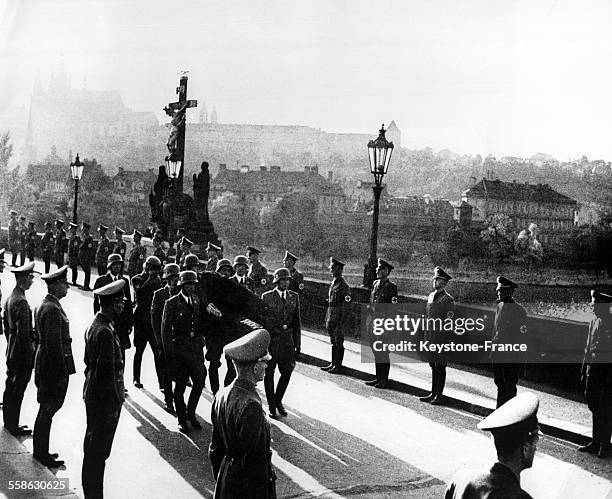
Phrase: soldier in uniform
x=19 y=350
x=336 y=315
x=596 y=374
x=183 y=342
x=257 y=271
x=31 y=240
x=241 y=265
x=103 y=250
x=239 y=452
x=286 y=333
x=137 y=255
x=145 y=285
x=297 y=278
x=120 y=247
x=213 y=257
x=60 y=243
x=47 y=244
x=103 y=391
x=225 y=268
x=74 y=243
x=171 y=276
x=13 y=237
x=123 y=325
x=86 y=254
x=180 y=233
x=23 y=235
x=516 y=433
x=158 y=251
x=440 y=305
x=185 y=245
x=383 y=291
x=509 y=326
x=53 y=363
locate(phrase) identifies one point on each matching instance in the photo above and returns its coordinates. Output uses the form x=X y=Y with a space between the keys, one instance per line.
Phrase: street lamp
x=173 y=167
x=76 y=169
x=379 y=154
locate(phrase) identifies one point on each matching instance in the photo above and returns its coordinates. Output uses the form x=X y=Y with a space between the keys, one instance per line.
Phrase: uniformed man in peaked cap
x=257 y=271
x=597 y=374
x=13 y=237
x=185 y=245
x=180 y=233
x=86 y=253
x=103 y=392
x=31 y=241
x=47 y=244
x=158 y=250
x=74 y=243
x=212 y=251
x=103 y=250
x=337 y=314
x=120 y=248
x=23 y=233
x=383 y=291
x=286 y=332
x=53 y=362
x=515 y=431
x=509 y=326
x=241 y=267
x=239 y=452
x=138 y=253
x=440 y=305
x=2 y=264
x=297 y=278
x=19 y=350
x=61 y=243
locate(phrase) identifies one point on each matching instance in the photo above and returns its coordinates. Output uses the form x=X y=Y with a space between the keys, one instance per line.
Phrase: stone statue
x=201 y=191
x=178 y=121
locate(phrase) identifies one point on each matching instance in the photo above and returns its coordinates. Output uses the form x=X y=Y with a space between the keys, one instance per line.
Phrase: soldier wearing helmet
x=145 y=285
x=137 y=255
x=241 y=267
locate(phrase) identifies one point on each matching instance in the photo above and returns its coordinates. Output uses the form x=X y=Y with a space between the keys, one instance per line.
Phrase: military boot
x=439 y=398
x=432 y=394
x=338 y=368
x=333 y=357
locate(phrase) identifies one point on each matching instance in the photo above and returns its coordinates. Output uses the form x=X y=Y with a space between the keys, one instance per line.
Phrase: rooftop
x=516 y=191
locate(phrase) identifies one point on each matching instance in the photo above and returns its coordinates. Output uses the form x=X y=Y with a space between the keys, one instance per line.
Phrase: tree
x=499 y=237
x=6 y=151
x=234 y=221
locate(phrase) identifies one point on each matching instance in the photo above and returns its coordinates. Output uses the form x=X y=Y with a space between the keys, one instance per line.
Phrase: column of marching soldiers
x=177 y=314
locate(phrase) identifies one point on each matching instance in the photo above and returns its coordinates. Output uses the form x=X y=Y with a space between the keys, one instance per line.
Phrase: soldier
x=86 y=254
x=31 y=241
x=120 y=247
x=23 y=235
x=257 y=270
x=60 y=243
x=47 y=244
x=383 y=291
x=337 y=315
x=180 y=233
x=19 y=350
x=213 y=257
x=286 y=332
x=103 y=250
x=515 y=433
x=596 y=375
x=53 y=363
x=158 y=251
x=297 y=278
x=440 y=305
x=239 y=452
x=509 y=326
x=225 y=268
x=185 y=245
x=103 y=392
x=241 y=265
x=74 y=243
x=137 y=255
x=183 y=344
x=145 y=285
x=13 y=237
x=123 y=325
x=171 y=276
x=191 y=262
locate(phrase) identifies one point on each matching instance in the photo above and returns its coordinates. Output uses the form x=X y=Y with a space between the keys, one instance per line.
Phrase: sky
x=474 y=76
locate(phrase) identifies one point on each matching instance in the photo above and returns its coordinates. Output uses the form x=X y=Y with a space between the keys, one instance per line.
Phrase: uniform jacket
x=48 y=244
x=497 y=482
x=144 y=289
x=211 y=264
x=383 y=292
x=509 y=326
x=120 y=248
x=338 y=300
x=103 y=363
x=74 y=243
x=597 y=363
x=13 y=235
x=297 y=282
x=440 y=305
x=157 y=310
x=259 y=274
x=246 y=283
x=23 y=234
x=239 y=452
x=284 y=318
x=60 y=243
x=54 y=361
x=103 y=250
x=181 y=261
x=20 y=336
x=31 y=240
x=599 y=342
x=136 y=259
x=180 y=321
x=124 y=325
x=159 y=253
x=86 y=253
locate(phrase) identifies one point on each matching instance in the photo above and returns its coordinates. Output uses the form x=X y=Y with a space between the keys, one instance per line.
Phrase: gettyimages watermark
x=467 y=336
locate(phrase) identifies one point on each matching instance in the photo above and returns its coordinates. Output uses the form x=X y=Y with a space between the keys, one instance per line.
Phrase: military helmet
x=188 y=276
x=224 y=262
x=241 y=260
x=191 y=260
x=152 y=262
x=171 y=269
x=282 y=273
x=113 y=258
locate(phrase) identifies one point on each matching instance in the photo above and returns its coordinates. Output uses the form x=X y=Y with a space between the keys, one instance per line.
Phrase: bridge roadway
x=341 y=439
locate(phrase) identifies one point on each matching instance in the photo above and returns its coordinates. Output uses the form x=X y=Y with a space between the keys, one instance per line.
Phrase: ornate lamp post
x=379 y=153
x=173 y=167
x=76 y=169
